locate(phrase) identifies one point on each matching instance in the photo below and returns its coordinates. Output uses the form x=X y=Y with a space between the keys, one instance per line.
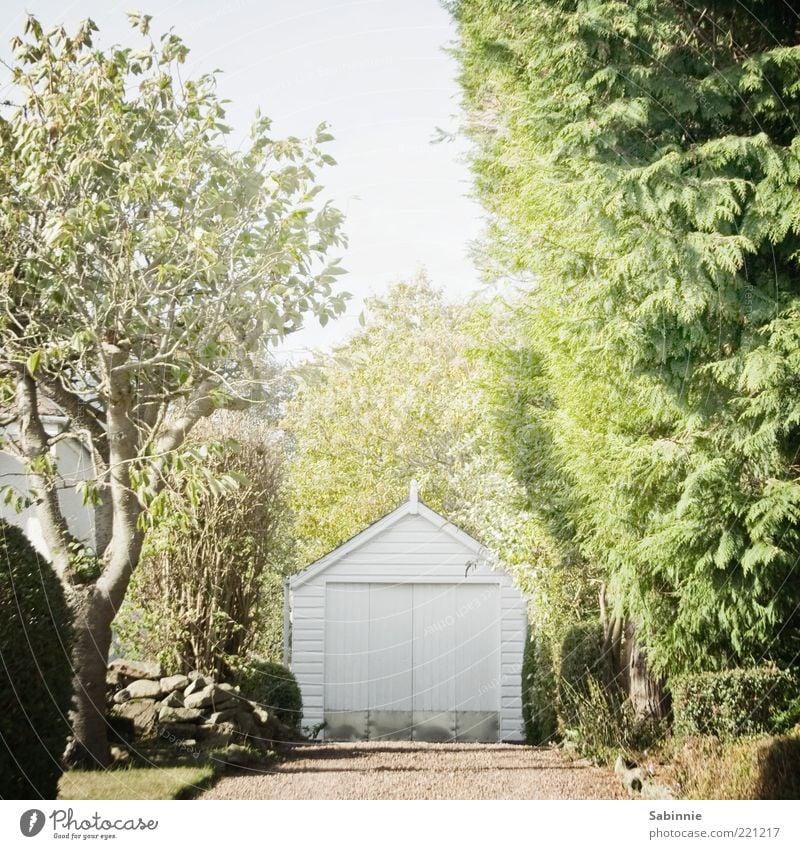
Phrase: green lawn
x=174 y=782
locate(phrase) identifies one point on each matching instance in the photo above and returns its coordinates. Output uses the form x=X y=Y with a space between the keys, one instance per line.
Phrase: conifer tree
x=640 y=164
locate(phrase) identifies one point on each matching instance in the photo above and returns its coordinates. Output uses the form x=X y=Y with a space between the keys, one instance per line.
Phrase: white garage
x=404 y=632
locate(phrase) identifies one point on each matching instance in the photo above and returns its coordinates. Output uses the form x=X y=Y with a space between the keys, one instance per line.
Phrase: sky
x=377 y=72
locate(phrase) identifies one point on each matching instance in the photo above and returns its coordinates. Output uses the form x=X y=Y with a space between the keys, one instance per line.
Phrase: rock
x=114 y=678
x=179 y=714
x=142 y=712
x=173 y=700
x=222 y=716
x=198 y=699
x=120 y=696
x=657 y=792
x=261 y=716
x=247 y=725
x=173 y=682
x=223 y=693
x=136 y=669
x=193 y=675
x=210 y=696
x=195 y=685
x=216 y=735
x=144 y=689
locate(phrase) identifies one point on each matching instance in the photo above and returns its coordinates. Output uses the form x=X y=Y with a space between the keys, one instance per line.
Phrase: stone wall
x=189 y=711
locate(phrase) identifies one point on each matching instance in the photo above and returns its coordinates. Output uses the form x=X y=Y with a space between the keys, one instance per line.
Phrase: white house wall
x=73 y=465
x=412 y=550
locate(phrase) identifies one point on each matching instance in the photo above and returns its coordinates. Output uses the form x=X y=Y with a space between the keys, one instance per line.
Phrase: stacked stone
x=187 y=710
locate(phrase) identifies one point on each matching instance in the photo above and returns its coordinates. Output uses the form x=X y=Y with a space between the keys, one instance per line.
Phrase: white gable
x=411 y=541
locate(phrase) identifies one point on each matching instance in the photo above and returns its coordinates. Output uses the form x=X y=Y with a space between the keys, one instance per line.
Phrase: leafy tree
x=639 y=161
x=144 y=268
x=401 y=400
x=209 y=587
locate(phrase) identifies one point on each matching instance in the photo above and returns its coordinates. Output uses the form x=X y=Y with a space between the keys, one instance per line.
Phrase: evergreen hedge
x=275 y=688
x=538 y=692
x=35 y=645
x=735 y=702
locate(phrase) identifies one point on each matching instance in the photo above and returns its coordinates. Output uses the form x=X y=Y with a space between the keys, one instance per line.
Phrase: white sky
x=376 y=71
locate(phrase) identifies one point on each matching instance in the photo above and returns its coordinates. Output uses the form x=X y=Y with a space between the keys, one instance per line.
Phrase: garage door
x=412 y=662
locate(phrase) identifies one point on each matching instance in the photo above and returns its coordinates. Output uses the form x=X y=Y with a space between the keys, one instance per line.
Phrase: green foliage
x=639 y=164
x=600 y=721
x=581 y=666
x=209 y=588
x=35 y=646
x=146 y=264
x=275 y=688
x=594 y=712
x=539 y=692
x=735 y=702
x=404 y=399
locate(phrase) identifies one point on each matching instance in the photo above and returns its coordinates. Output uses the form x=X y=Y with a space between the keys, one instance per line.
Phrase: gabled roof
x=412 y=507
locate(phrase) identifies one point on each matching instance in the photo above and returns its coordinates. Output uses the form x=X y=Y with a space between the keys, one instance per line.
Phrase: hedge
x=735 y=702
x=538 y=692
x=275 y=688
x=747 y=768
x=35 y=645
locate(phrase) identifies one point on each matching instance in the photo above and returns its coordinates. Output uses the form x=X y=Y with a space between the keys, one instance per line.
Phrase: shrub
x=209 y=587
x=35 y=644
x=581 y=662
x=538 y=692
x=733 y=703
x=753 y=768
x=275 y=688
x=602 y=720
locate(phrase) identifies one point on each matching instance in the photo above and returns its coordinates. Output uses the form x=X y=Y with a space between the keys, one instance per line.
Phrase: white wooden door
x=412 y=661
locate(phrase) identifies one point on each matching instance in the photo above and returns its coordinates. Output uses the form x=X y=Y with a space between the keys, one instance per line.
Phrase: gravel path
x=422 y=771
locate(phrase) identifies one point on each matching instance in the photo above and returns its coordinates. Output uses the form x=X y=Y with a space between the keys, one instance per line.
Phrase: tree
x=405 y=399
x=145 y=267
x=639 y=163
x=209 y=587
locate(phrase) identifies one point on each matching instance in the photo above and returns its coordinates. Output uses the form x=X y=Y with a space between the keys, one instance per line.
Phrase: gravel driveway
x=422 y=771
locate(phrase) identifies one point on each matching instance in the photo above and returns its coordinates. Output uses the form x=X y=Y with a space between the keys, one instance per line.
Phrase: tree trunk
x=612 y=643
x=645 y=692
x=88 y=747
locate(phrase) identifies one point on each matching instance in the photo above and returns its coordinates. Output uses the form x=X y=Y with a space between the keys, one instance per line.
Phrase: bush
x=734 y=703
x=582 y=661
x=754 y=768
x=209 y=587
x=602 y=720
x=538 y=692
x=35 y=645
x=275 y=688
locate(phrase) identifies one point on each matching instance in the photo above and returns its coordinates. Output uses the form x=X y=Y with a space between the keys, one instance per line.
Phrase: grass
x=136 y=782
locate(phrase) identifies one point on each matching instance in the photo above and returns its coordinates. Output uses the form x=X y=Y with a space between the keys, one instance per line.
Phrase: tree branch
x=34 y=442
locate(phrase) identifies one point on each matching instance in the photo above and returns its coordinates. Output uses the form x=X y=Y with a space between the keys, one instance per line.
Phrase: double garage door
x=412 y=661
